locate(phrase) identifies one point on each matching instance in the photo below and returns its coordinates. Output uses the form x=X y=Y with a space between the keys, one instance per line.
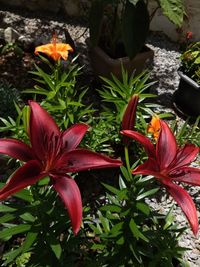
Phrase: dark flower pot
x=187 y=97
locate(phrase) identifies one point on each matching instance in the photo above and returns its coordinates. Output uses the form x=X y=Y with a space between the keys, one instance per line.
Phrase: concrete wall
x=81 y=7
x=191 y=22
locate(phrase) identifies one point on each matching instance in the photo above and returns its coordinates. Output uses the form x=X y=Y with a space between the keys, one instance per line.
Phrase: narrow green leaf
x=14 y=230
x=11 y=255
x=55 y=245
x=111 y=189
x=24 y=194
x=136 y=232
x=6 y=218
x=143 y=207
x=147 y=193
x=30 y=238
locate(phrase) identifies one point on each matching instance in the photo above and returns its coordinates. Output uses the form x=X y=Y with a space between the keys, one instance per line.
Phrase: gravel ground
x=164 y=71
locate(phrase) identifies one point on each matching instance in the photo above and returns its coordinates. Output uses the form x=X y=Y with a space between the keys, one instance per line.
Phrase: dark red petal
x=16 y=149
x=73 y=136
x=128 y=120
x=70 y=194
x=42 y=128
x=166 y=147
x=83 y=159
x=186 y=203
x=147 y=167
x=26 y=175
x=184 y=156
x=144 y=141
x=187 y=175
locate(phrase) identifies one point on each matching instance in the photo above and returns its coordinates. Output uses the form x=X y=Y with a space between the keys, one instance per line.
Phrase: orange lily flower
x=54 y=50
x=154 y=127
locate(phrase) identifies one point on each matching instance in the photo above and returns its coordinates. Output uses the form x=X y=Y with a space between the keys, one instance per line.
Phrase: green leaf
x=5 y=208
x=55 y=245
x=174 y=10
x=28 y=217
x=136 y=232
x=30 y=238
x=120 y=241
x=111 y=208
x=116 y=229
x=147 y=193
x=14 y=230
x=105 y=222
x=24 y=194
x=11 y=255
x=111 y=189
x=143 y=207
x=6 y=218
x=98 y=246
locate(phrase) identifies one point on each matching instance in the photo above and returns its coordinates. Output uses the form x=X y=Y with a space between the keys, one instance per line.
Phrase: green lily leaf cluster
x=190 y=60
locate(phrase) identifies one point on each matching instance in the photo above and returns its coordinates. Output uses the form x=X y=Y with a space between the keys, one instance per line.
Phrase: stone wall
x=81 y=7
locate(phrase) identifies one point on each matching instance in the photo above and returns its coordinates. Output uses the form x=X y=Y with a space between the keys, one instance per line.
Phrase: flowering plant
x=121 y=227
x=190 y=60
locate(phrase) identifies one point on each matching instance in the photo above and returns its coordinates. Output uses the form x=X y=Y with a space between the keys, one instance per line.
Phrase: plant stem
x=126 y=153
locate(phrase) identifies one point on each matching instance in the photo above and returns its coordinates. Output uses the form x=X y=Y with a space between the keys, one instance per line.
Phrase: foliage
x=116 y=95
x=122 y=227
x=190 y=60
x=9 y=96
x=127 y=232
x=121 y=26
x=41 y=226
x=18 y=127
x=189 y=131
x=12 y=47
x=59 y=92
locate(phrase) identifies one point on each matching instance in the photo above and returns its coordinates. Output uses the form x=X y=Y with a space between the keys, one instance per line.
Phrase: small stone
x=11 y=35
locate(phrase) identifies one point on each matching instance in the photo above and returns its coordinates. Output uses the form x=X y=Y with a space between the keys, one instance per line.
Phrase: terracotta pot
x=104 y=65
x=187 y=97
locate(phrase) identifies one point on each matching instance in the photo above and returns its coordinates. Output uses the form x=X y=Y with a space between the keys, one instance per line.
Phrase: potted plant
x=118 y=31
x=187 y=97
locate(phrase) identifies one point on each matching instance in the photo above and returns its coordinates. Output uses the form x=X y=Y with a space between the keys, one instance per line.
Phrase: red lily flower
x=52 y=153
x=169 y=164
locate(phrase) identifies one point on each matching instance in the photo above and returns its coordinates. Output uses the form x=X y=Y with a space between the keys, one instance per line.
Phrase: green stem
x=127 y=161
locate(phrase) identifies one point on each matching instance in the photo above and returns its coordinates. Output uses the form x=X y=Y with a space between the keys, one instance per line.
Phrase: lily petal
x=187 y=175
x=16 y=149
x=42 y=129
x=186 y=203
x=26 y=175
x=47 y=49
x=83 y=159
x=166 y=146
x=73 y=136
x=70 y=194
x=144 y=141
x=147 y=168
x=128 y=121
x=184 y=156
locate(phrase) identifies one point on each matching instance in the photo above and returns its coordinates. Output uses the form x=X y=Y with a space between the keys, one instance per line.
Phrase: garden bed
x=15 y=69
